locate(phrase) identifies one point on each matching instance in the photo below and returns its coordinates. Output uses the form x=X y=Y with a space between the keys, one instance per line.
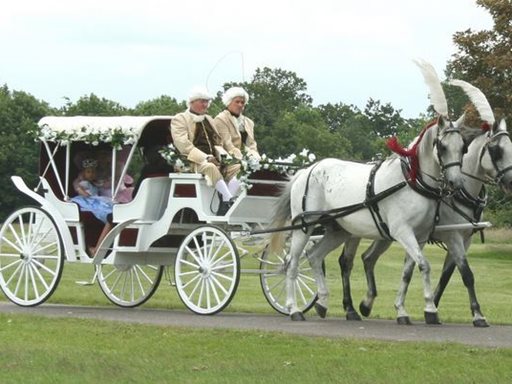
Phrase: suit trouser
x=212 y=173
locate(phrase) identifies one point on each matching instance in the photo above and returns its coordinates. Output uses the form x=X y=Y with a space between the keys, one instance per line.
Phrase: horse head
x=496 y=156
x=449 y=148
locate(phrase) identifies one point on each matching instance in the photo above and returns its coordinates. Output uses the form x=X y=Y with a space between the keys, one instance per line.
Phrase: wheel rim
x=129 y=285
x=207 y=270
x=31 y=256
x=273 y=281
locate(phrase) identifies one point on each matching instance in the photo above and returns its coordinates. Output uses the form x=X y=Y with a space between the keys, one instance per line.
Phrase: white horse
x=489 y=157
x=338 y=192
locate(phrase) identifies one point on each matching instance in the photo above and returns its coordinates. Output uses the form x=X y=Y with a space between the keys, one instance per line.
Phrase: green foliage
x=272 y=93
x=92 y=105
x=483 y=57
x=19 y=113
x=163 y=105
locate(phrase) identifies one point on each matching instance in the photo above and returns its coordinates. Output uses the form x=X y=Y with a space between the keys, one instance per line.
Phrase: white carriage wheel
x=129 y=285
x=273 y=280
x=31 y=256
x=207 y=270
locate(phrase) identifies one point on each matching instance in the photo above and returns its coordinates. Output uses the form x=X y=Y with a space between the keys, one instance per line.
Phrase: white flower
x=311 y=157
x=304 y=152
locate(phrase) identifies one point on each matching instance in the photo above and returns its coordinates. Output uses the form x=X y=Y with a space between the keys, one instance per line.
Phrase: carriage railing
x=64 y=186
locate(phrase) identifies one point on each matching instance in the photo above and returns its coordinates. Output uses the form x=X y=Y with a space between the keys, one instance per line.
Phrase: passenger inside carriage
x=195 y=136
x=88 y=199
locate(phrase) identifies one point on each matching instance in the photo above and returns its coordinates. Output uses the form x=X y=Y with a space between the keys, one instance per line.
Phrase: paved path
x=494 y=336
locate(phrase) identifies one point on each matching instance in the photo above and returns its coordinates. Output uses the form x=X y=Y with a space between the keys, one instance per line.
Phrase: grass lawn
x=44 y=350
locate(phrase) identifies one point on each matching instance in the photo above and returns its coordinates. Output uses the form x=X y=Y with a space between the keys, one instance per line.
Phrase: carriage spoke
x=32 y=280
x=129 y=285
x=218 y=283
x=197 y=258
x=40 y=276
x=22 y=230
x=16 y=237
x=16 y=247
x=183 y=261
x=200 y=256
x=8 y=266
x=19 y=270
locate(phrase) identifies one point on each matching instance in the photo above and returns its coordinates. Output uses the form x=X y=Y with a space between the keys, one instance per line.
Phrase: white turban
x=233 y=92
x=197 y=93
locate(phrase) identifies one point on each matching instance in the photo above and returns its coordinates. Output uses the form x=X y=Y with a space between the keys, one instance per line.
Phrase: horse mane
x=470 y=133
x=411 y=152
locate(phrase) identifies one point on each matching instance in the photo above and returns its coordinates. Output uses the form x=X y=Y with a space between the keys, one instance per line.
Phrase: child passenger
x=87 y=188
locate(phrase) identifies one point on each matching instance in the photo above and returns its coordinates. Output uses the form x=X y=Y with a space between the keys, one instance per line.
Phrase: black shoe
x=224 y=207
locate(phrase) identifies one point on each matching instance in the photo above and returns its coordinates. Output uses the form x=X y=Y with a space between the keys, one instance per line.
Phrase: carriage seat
x=149 y=204
x=69 y=210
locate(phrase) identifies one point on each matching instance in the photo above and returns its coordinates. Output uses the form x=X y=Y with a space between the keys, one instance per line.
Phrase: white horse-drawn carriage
x=170 y=222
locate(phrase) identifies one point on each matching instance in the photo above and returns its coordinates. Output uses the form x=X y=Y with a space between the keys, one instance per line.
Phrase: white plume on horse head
x=437 y=97
x=478 y=99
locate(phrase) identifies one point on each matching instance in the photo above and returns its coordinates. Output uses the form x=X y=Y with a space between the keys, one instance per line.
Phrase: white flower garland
x=248 y=165
x=117 y=137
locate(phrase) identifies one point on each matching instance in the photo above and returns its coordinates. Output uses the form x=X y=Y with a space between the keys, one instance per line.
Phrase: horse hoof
x=403 y=320
x=353 y=315
x=432 y=318
x=321 y=310
x=297 y=316
x=480 y=323
x=364 y=309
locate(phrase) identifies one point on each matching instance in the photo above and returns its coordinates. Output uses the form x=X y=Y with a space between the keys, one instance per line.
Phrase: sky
x=346 y=51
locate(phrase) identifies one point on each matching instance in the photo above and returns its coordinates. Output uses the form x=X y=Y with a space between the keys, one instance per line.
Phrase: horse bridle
x=490 y=139
x=451 y=129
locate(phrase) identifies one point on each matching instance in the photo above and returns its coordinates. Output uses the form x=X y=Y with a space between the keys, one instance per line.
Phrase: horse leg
x=446 y=274
x=370 y=257
x=414 y=251
x=330 y=241
x=457 y=252
x=298 y=243
x=346 y=263
x=407 y=272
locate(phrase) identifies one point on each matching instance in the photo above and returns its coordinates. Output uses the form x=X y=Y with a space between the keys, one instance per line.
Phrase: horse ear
x=503 y=125
x=460 y=121
x=440 y=121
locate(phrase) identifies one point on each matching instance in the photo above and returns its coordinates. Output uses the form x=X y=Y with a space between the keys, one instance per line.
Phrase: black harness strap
x=329 y=216
x=374 y=208
x=420 y=186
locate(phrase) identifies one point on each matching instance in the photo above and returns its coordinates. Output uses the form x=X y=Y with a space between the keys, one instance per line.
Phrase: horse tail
x=282 y=216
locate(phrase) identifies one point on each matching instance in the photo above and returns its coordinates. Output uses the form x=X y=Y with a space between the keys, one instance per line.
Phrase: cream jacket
x=183 y=130
x=231 y=138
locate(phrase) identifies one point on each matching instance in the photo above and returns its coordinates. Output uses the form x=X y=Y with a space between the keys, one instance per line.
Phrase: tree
x=19 y=114
x=384 y=119
x=163 y=105
x=484 y=57
x=92 y=105
x=273 y=92
x=303 y=128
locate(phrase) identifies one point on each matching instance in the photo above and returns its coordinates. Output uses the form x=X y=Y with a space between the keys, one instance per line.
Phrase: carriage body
x=168 y=223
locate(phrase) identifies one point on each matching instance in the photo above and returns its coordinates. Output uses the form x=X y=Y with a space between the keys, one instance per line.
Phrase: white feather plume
x=437 y=97
x=478 y=99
